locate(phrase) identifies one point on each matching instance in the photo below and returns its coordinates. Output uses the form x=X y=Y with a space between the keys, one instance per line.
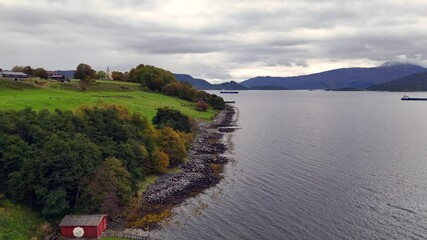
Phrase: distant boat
x=229 y=91
x=406 y=98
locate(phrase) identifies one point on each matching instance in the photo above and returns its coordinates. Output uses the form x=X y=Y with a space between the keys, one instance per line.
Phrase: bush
x=216 y=102
x=172 y=144
x=169 y=90
x=161 y=161
x=202 y=106
x=167 y=117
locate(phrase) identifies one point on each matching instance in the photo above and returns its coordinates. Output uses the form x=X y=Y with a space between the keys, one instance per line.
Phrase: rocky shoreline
x=201 y=171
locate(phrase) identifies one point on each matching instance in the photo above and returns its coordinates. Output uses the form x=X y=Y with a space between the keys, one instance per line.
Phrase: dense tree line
x=162 y=81
x=37 y=72
x=85 y=161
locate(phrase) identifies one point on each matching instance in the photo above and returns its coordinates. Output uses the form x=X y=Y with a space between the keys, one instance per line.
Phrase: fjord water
x=317 y=165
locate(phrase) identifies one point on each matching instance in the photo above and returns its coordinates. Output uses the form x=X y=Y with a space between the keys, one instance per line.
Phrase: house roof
x=14 y=73
x=82 y=220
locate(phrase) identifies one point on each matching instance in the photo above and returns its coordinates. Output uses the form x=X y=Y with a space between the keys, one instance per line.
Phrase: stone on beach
x=196 y=173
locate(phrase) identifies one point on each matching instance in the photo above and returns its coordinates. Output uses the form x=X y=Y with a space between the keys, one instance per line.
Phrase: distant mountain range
x=343 y=78
x=205 y=85
x=67 y=73
x=339 y=78
x=195 y=82
x=412 y=83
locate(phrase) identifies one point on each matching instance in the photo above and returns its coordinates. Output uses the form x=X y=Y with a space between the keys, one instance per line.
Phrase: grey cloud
x=220 y=38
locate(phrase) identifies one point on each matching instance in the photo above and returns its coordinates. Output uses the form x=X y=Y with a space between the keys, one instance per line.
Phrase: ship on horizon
x=407 y=98
x=229 y=91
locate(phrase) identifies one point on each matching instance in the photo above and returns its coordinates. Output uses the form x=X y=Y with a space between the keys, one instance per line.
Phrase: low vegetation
x=152 y=219
x=20 y=223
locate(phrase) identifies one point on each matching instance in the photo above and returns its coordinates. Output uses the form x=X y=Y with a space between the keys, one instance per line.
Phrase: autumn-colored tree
x=122 y=112
x=161 y=161
x=172 y=144
x=187 y=138
x=201 y=106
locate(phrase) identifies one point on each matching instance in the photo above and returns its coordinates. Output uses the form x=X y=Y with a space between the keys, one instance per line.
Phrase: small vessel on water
x=229 y=91
x=406 y=98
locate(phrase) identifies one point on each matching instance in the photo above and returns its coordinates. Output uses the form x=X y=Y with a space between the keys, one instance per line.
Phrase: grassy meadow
x=18 y=222
x=48 y=94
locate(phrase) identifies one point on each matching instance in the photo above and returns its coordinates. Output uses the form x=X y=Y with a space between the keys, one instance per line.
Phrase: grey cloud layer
x=210 y=39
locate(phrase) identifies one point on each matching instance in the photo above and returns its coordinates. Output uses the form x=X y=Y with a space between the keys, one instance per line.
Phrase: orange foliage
x=123 y=112
x=161 y=160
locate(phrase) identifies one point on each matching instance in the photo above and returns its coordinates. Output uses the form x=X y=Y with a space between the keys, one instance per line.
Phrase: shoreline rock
x=197 y=173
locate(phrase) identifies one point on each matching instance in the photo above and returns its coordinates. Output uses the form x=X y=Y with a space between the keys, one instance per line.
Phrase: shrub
x=161 y=161
x=202 y=106
x=167 y=117
x=216 y=102
x=171 y=143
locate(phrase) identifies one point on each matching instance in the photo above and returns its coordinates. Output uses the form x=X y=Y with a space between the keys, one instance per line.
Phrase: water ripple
x=318 y=165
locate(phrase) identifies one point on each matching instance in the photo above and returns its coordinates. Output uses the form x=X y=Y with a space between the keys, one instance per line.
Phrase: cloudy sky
x=218 y=40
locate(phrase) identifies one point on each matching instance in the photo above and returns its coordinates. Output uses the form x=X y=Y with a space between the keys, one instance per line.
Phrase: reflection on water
x=317 y=165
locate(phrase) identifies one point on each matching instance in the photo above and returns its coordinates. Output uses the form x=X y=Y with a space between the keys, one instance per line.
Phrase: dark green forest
x=85 y=161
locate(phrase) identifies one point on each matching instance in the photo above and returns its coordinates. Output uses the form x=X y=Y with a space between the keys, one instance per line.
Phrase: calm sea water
x=317 y=165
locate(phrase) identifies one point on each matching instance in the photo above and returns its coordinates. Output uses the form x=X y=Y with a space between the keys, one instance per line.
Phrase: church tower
x=109 y=77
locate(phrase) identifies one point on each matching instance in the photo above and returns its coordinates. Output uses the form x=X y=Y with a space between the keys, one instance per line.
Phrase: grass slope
x=18 y=223
x=66 y=96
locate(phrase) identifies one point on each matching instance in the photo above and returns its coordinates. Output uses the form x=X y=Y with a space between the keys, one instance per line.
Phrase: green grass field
x=17 y=222
x=66 y=96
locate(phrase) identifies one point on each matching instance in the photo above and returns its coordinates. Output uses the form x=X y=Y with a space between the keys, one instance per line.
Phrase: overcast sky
x=218 y=40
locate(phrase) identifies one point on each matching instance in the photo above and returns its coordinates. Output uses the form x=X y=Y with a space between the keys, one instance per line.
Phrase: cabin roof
x=14 y=73
x=82 y=220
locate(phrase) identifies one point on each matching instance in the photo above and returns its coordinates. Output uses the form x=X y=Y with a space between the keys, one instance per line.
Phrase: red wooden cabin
x=92 y=225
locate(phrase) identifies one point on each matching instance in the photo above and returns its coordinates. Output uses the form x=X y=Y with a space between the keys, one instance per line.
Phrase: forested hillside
x=415 y=82
x=85 y=161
